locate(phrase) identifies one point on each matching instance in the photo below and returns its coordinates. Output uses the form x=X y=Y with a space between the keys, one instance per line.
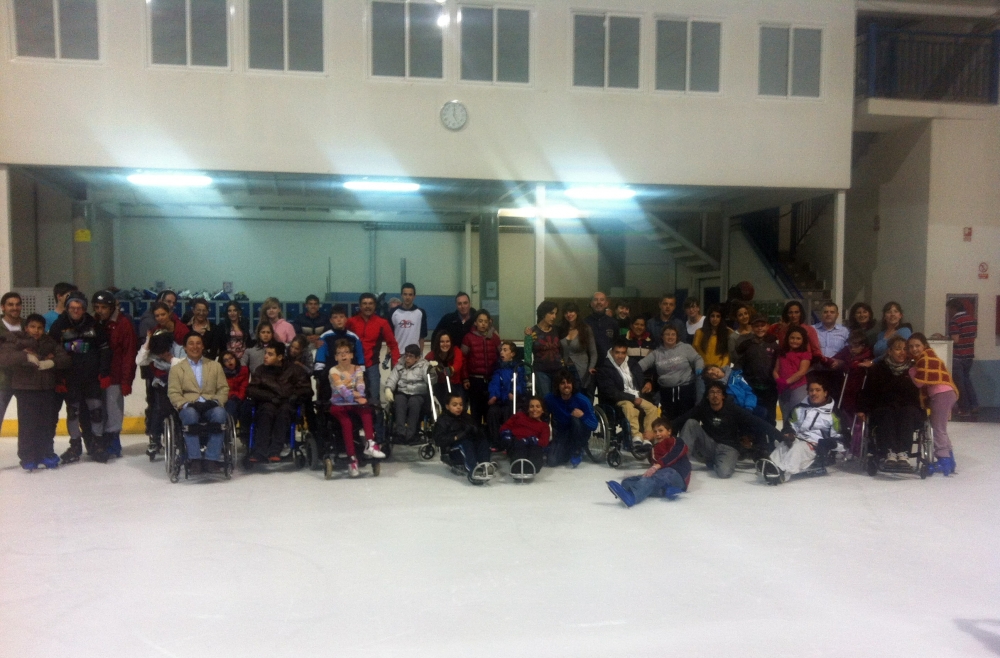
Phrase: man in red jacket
x=372 y=331
x=124 y=347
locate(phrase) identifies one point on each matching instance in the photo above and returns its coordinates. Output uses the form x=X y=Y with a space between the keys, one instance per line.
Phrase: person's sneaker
x=211 y=466
x=890 y=460
x=29 y=466
x=636 y=441
x=194 y=467
x=621 y=493
x=372 y=450
x=352 y=469
x=575 y=460
x=52 y=461
x=71 y=455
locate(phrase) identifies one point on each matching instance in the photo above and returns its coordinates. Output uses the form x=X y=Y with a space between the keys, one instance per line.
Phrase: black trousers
x=894 y=428
x=497 y=415
x=271 y=423
x=36 y=424
x=677 y=400
x=533 y=453
x=479 y=398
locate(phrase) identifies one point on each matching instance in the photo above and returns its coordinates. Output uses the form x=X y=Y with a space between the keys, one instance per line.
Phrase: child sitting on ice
x=668 y=476
x=462 y=443
x=525 y=436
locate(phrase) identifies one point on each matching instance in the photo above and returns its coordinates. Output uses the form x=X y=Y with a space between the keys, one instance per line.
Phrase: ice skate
x=50 y=462
x=621 y=493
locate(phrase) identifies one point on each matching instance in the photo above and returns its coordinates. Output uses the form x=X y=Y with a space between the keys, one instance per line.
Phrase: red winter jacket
x=124 y=347
x=372 y=332
x=522 y=426
x=481 y=353
x=672 y=453
x=238 y=383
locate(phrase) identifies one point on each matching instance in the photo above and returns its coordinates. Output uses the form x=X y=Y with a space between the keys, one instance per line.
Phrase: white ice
x=113 y=560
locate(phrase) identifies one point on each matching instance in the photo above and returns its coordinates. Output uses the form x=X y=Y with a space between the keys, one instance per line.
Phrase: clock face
x=454 y=115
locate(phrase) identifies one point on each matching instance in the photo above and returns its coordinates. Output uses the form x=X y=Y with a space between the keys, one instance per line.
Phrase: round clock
x=454 y=115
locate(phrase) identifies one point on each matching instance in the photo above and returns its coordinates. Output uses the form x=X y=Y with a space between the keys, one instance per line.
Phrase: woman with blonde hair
x=270 y=311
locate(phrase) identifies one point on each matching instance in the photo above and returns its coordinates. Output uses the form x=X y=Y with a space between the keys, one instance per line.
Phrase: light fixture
x=380 y=186
x=444 y=19
x=600 y=193
x=554 y=211
x=169 y=180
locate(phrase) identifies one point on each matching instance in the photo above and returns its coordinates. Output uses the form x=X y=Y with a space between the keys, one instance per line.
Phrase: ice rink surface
x=113 y=560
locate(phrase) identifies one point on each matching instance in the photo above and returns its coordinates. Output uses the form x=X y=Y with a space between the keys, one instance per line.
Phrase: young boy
x=31 y=358
x=406 y=388
x=501 y=391
x=756 y=355
x=157 y=354
x=813 y=429
x=668 y=476
x=462 y=443
x=276 y=388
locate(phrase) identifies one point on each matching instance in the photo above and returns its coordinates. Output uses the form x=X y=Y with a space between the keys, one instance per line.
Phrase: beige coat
x=182 y=385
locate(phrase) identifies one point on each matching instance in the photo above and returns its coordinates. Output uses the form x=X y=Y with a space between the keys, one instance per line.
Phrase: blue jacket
x=562 y=410
x=740 y=392
x=500 y=384
x=326 y=352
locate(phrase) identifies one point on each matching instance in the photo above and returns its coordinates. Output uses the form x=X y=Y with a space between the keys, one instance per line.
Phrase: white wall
x=570 y=264
x=648 y=267
x=517 y=283
x=121 y=112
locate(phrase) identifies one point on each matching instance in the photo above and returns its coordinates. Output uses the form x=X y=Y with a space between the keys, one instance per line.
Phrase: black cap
x=412 y=349
x=103 y=297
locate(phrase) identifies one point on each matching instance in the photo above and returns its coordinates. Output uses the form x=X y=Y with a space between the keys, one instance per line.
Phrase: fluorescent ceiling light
x=600 y=193
x=557 y=211
x=380 y=186
x=444 y=20
x=170 y=180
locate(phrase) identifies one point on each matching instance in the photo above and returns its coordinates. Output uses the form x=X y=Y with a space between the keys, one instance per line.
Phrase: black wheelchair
x=175 y=450
x=613 y=437
x=921 y=450
x=325 y=447
x=422 y=439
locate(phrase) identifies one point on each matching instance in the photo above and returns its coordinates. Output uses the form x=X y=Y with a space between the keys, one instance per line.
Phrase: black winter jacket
x=87 y=344
x=280 y=384
x=450 y=429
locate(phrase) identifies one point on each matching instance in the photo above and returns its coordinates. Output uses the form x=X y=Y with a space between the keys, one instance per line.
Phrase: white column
x=724 y=259
x=839 y=227
x=6 y=254
x=467 y=273
x=539 y=244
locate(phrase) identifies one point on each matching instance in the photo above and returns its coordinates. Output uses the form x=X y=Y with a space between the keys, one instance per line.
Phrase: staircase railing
x=805 y=214
x=761 y=230
x=929 y=66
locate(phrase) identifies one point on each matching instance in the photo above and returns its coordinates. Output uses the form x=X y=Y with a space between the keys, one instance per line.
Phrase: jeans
x=467 y=453
x=114 y=409
x=720 y=457
x=213 y=449
x=643 y=487
x=543 y=384
x=966 y=391
x=567 y=442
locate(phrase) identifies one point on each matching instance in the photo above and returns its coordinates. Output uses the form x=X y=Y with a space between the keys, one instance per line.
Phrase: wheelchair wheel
x=312 y=451
x=300 y=458
x=614 y=458
x=924 y=471
x=376 y=468
x=427 y=451
x=170 y=457
x=599 y=445
x=871 y=465
x=328 y=468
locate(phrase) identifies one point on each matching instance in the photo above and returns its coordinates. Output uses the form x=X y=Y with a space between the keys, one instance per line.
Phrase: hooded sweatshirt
x=675 y=366
x=812 y=423
x=410 y=381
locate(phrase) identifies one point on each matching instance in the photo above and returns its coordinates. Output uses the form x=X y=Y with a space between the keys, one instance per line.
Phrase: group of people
x=714 y=381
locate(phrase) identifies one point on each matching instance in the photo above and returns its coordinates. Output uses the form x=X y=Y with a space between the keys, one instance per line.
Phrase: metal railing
x=805 y=214
x=761 y=230
x=929 y=66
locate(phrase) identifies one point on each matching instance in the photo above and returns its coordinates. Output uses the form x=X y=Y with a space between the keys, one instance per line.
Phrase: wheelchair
x=613 y=437
x=295 y=445
x=921 y=449
x=325 y=447
x=175 y=451
x=422 y=439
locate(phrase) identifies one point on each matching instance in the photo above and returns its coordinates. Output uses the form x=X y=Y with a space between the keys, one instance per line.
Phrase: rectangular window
x=285 y=35
x=495 y=44
x=408 y=39
x=606 y=51
x=790 y=61
x=688 y=55
x=37 y=23
x=189 y=32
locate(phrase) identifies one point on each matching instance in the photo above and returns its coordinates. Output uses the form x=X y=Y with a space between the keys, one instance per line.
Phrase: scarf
x=898 y=368
x=931 y=371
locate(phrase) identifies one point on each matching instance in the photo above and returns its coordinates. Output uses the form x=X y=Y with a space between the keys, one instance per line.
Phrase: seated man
x=573 y=421
x=712 y=430
x=620 y=380
x=811 y=431
x=276 y=387
x=197 y=388
x=407 y=389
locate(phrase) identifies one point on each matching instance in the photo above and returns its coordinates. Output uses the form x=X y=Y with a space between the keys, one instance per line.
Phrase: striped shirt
x=964 y=326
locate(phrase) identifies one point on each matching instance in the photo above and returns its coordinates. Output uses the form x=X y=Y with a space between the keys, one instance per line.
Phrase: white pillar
x=724 y=259
x=6 y=255
x=839 y=227
x=467 y=282
x=539 y=244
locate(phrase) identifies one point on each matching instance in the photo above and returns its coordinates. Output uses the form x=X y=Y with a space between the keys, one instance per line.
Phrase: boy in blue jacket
x=573 y=421
x=668 y=476
x=501 y=392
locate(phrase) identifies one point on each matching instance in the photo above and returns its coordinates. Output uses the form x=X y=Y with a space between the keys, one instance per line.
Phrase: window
x=56 y=29
x=687 y=55
x=495 y=44
x=285 y=35
x=790 y=60
x=189 y=32
x=408 y=39
x=606 y=51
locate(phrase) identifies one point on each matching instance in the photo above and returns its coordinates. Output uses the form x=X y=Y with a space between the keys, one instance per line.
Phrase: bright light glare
x=443 y=20
x=600 y=193
x=555 y=211
x=170 y=180
x=380 y=186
